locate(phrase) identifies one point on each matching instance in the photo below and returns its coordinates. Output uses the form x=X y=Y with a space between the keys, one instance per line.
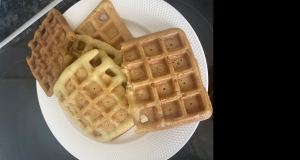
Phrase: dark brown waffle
x=50 y=50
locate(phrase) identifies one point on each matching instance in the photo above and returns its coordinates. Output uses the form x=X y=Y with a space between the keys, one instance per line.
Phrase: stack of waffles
x=109 y=81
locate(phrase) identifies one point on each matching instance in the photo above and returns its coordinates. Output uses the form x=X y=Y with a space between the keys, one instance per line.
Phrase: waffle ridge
x=94 y=96
x=86 y=43
x=164 y=82
x=49 y=48
x=104 y=24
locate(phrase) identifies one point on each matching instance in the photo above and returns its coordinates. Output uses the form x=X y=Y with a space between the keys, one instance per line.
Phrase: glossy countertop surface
x=24 y=133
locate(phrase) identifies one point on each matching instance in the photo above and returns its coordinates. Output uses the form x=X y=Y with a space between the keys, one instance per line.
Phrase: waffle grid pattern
x=105 y=24
x=86 y=43
x=94 y=97
x=50 y=50
x=165 y=80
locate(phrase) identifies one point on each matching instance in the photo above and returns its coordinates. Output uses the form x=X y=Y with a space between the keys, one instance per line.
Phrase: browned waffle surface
x=94 y=96
x=50 y=50
x=164 y=81
x=105 y=24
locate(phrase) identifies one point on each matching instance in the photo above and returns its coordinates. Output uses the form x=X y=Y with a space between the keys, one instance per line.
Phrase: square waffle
x=94 y=96
x=50 y=50
x=104 y=24
x=164 y=81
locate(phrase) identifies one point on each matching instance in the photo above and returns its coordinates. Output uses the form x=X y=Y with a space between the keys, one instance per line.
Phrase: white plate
x=141 y=17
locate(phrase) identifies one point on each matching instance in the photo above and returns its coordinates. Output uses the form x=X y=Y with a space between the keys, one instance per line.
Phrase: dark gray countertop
x=24 y=133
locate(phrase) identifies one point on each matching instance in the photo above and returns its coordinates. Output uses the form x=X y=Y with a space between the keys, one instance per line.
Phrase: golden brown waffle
x=86 y=43
x=164 y=82
x=94 y=97
x=105 y=24
x=50 y=50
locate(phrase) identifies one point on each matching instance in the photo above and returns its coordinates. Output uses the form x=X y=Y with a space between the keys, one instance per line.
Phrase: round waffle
x=94 y=96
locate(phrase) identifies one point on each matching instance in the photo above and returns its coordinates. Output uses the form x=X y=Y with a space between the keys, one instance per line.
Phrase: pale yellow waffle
x=86 y=43
x=50 y=50
x=105 y=24
x=164 y=82
x=94 y=96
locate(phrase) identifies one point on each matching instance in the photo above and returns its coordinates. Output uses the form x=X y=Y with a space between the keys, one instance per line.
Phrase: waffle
x=94 y=97
x=104 y=24
x=164 y=82
x=86 y=43
x=49 y=48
